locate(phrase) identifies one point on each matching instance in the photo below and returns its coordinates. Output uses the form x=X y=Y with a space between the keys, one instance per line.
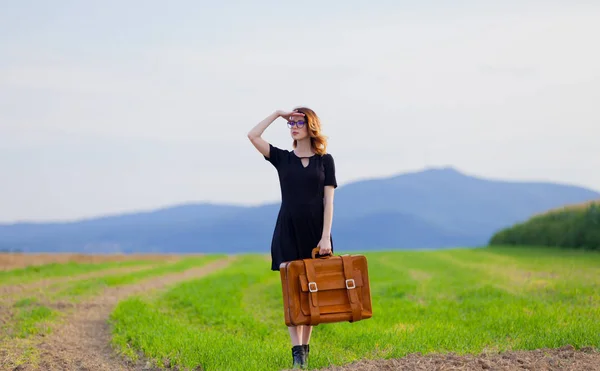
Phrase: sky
x=112 y=107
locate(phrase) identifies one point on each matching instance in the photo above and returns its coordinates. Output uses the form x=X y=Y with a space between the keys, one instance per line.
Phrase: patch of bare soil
x=82 y=342
x=22 y=260
x=563 y=359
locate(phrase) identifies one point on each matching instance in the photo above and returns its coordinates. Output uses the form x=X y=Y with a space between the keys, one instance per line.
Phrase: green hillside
x=573 y=226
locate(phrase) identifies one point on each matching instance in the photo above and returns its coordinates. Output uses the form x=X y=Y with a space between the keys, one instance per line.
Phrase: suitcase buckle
x=310 y=287
x=351 y=280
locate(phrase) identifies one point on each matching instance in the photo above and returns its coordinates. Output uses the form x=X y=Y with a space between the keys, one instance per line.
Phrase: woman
x=307 y=181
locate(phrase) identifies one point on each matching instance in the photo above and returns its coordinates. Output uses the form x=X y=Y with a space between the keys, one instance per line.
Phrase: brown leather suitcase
x=326 y=289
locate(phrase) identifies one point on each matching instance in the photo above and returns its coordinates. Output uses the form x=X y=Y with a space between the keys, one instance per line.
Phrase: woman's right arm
x=255 y=135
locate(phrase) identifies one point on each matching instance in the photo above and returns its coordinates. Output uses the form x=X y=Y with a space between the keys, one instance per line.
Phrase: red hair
x=318 y=141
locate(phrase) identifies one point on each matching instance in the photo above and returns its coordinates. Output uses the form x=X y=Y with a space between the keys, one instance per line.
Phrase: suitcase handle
x=315 y=252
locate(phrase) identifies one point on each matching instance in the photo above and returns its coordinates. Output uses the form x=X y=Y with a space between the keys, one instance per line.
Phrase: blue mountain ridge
x=432 y=208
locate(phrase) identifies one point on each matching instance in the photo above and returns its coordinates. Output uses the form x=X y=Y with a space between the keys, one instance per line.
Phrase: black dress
x=299 y=225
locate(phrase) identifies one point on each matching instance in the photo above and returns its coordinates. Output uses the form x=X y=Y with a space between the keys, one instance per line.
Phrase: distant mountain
x=425 y=209
x=457 y=202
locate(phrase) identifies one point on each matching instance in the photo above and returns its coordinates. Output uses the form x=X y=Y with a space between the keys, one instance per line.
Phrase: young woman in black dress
x=307 y=181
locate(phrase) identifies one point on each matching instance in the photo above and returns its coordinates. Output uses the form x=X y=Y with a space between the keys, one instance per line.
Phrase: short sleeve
x=276 y=155
x=329 y=166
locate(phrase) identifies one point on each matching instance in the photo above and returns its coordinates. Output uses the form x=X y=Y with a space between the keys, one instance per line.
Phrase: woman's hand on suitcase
x=325 y=246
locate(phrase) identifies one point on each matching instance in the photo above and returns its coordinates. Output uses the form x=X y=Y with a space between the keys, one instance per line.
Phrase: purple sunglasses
x=298 y=124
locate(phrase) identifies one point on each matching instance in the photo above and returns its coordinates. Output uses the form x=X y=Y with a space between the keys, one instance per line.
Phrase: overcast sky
x=113 y=106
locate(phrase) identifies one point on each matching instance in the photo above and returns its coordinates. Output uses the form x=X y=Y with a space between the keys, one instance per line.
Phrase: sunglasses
x=298 y=124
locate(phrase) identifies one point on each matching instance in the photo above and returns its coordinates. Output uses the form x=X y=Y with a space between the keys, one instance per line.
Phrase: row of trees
x=571 y=227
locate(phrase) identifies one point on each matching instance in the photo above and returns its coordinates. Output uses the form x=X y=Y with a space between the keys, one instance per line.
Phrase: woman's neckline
x=295 y=154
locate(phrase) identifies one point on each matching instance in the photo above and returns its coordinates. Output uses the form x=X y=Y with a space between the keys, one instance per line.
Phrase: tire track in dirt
x=82 y=342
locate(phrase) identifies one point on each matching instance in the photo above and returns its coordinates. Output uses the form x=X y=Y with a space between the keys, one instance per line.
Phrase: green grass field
x=462 y=301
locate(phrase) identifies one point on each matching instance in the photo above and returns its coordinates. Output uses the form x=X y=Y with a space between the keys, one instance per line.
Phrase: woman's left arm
x=330 y=186
x=325 y=244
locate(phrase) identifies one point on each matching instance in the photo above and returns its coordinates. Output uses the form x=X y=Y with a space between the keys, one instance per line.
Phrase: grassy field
x=462 y=301
x=465 y=301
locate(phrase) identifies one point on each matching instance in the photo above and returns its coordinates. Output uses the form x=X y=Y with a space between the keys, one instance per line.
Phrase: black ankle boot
x=306 y=351
x=298 y=357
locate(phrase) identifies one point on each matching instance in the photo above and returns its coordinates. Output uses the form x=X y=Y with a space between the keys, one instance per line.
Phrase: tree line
x=571 y=227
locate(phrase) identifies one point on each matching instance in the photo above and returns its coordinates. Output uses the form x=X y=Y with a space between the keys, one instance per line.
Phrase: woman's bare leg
x=295 y=334
x=305 y=335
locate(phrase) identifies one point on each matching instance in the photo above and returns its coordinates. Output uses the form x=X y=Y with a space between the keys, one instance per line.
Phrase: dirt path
x=563 y=359
x=82 y=342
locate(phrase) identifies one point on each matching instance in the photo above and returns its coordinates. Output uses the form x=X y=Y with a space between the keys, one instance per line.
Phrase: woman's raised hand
x=288 y=114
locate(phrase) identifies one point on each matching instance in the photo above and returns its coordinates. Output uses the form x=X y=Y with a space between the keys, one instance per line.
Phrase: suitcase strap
x=315 y=314
x=351 y=288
